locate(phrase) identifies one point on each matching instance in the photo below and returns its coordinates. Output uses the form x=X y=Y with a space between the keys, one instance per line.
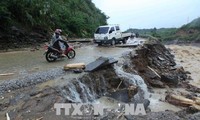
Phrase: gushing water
x=78 y=92
x=133 y=79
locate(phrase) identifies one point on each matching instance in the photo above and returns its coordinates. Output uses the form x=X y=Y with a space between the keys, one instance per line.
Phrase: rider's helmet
x=58 y=31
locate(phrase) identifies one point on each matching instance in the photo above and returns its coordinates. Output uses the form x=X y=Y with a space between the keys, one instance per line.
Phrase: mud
x=19 y=38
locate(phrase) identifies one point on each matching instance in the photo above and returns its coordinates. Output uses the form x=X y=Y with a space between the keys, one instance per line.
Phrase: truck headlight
x=105 y=38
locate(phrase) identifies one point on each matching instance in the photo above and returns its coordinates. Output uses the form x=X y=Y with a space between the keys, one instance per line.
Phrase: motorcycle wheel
x=49 y=57
x=71 y=54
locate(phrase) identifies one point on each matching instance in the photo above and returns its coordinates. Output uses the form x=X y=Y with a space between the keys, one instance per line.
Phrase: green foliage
x=195 y=24
x=75 y=17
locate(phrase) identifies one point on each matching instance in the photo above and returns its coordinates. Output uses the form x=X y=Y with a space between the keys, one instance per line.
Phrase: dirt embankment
x=20 y=38
x=156 y=65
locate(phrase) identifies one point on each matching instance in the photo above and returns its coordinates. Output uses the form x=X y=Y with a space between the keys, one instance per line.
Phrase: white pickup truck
x=110 y=34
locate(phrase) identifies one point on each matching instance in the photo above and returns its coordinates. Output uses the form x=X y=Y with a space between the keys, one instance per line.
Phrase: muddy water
x=25 y=62
x=188 y=56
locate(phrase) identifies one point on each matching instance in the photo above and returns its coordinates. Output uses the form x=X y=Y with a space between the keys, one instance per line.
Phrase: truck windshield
x=102 y=30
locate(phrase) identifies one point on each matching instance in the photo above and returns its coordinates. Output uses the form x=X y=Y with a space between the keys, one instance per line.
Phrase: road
x=26 y=62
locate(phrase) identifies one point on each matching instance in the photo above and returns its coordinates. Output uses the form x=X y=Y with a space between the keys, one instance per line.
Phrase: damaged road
x=132 y=79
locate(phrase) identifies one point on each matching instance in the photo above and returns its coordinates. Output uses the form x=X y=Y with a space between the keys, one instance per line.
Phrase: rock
x=78 y=71
x=195 y=116
x=156 y=83
x=187 y=72
x=169 y=78
x=190 y=87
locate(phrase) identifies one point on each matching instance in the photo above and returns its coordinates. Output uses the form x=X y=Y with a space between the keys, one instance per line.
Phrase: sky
x=149 y=13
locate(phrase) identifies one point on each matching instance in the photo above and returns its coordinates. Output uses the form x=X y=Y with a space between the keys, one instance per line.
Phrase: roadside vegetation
x=77 y=18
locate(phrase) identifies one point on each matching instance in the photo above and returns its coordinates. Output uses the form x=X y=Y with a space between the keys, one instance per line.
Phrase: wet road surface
x=22 y=63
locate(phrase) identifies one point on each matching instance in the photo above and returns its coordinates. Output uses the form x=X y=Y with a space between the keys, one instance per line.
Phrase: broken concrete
x=100 y=62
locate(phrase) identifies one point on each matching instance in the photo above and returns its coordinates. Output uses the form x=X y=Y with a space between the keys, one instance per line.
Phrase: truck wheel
x=124 y=41
x=99 y=44
x=113 y=42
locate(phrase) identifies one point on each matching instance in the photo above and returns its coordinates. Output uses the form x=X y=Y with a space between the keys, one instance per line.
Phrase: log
x=6 y=74
x=197 y=100
x=185 y=102
x=197 y=107
x=179 y=100
x=74 y=66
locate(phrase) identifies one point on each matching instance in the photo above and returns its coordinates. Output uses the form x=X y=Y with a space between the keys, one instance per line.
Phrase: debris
x=78 y=71
x=160 y=58
x=169 y=78
x=190 y=87
x=156 y=65
x=111 y=61
x=119 y=85
x=179 y=100
x=124 y=95
x=122 y=113
x=6 y=74
x=154 y=71
x=183 y=101
x=74 y=66
x=39 y=118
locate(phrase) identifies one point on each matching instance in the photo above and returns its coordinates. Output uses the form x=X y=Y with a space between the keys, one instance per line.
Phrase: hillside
x=195 y=24
x=187 y=33
x=190 y=31
x=161 y=33
x=25 y=22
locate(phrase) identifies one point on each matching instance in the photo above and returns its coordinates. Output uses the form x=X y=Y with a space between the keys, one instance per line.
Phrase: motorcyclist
x=58 y=43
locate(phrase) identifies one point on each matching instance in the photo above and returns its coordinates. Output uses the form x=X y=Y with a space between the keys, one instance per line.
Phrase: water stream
x=133 y=79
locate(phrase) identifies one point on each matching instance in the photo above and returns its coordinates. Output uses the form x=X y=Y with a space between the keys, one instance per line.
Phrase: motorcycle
x=52 y=54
